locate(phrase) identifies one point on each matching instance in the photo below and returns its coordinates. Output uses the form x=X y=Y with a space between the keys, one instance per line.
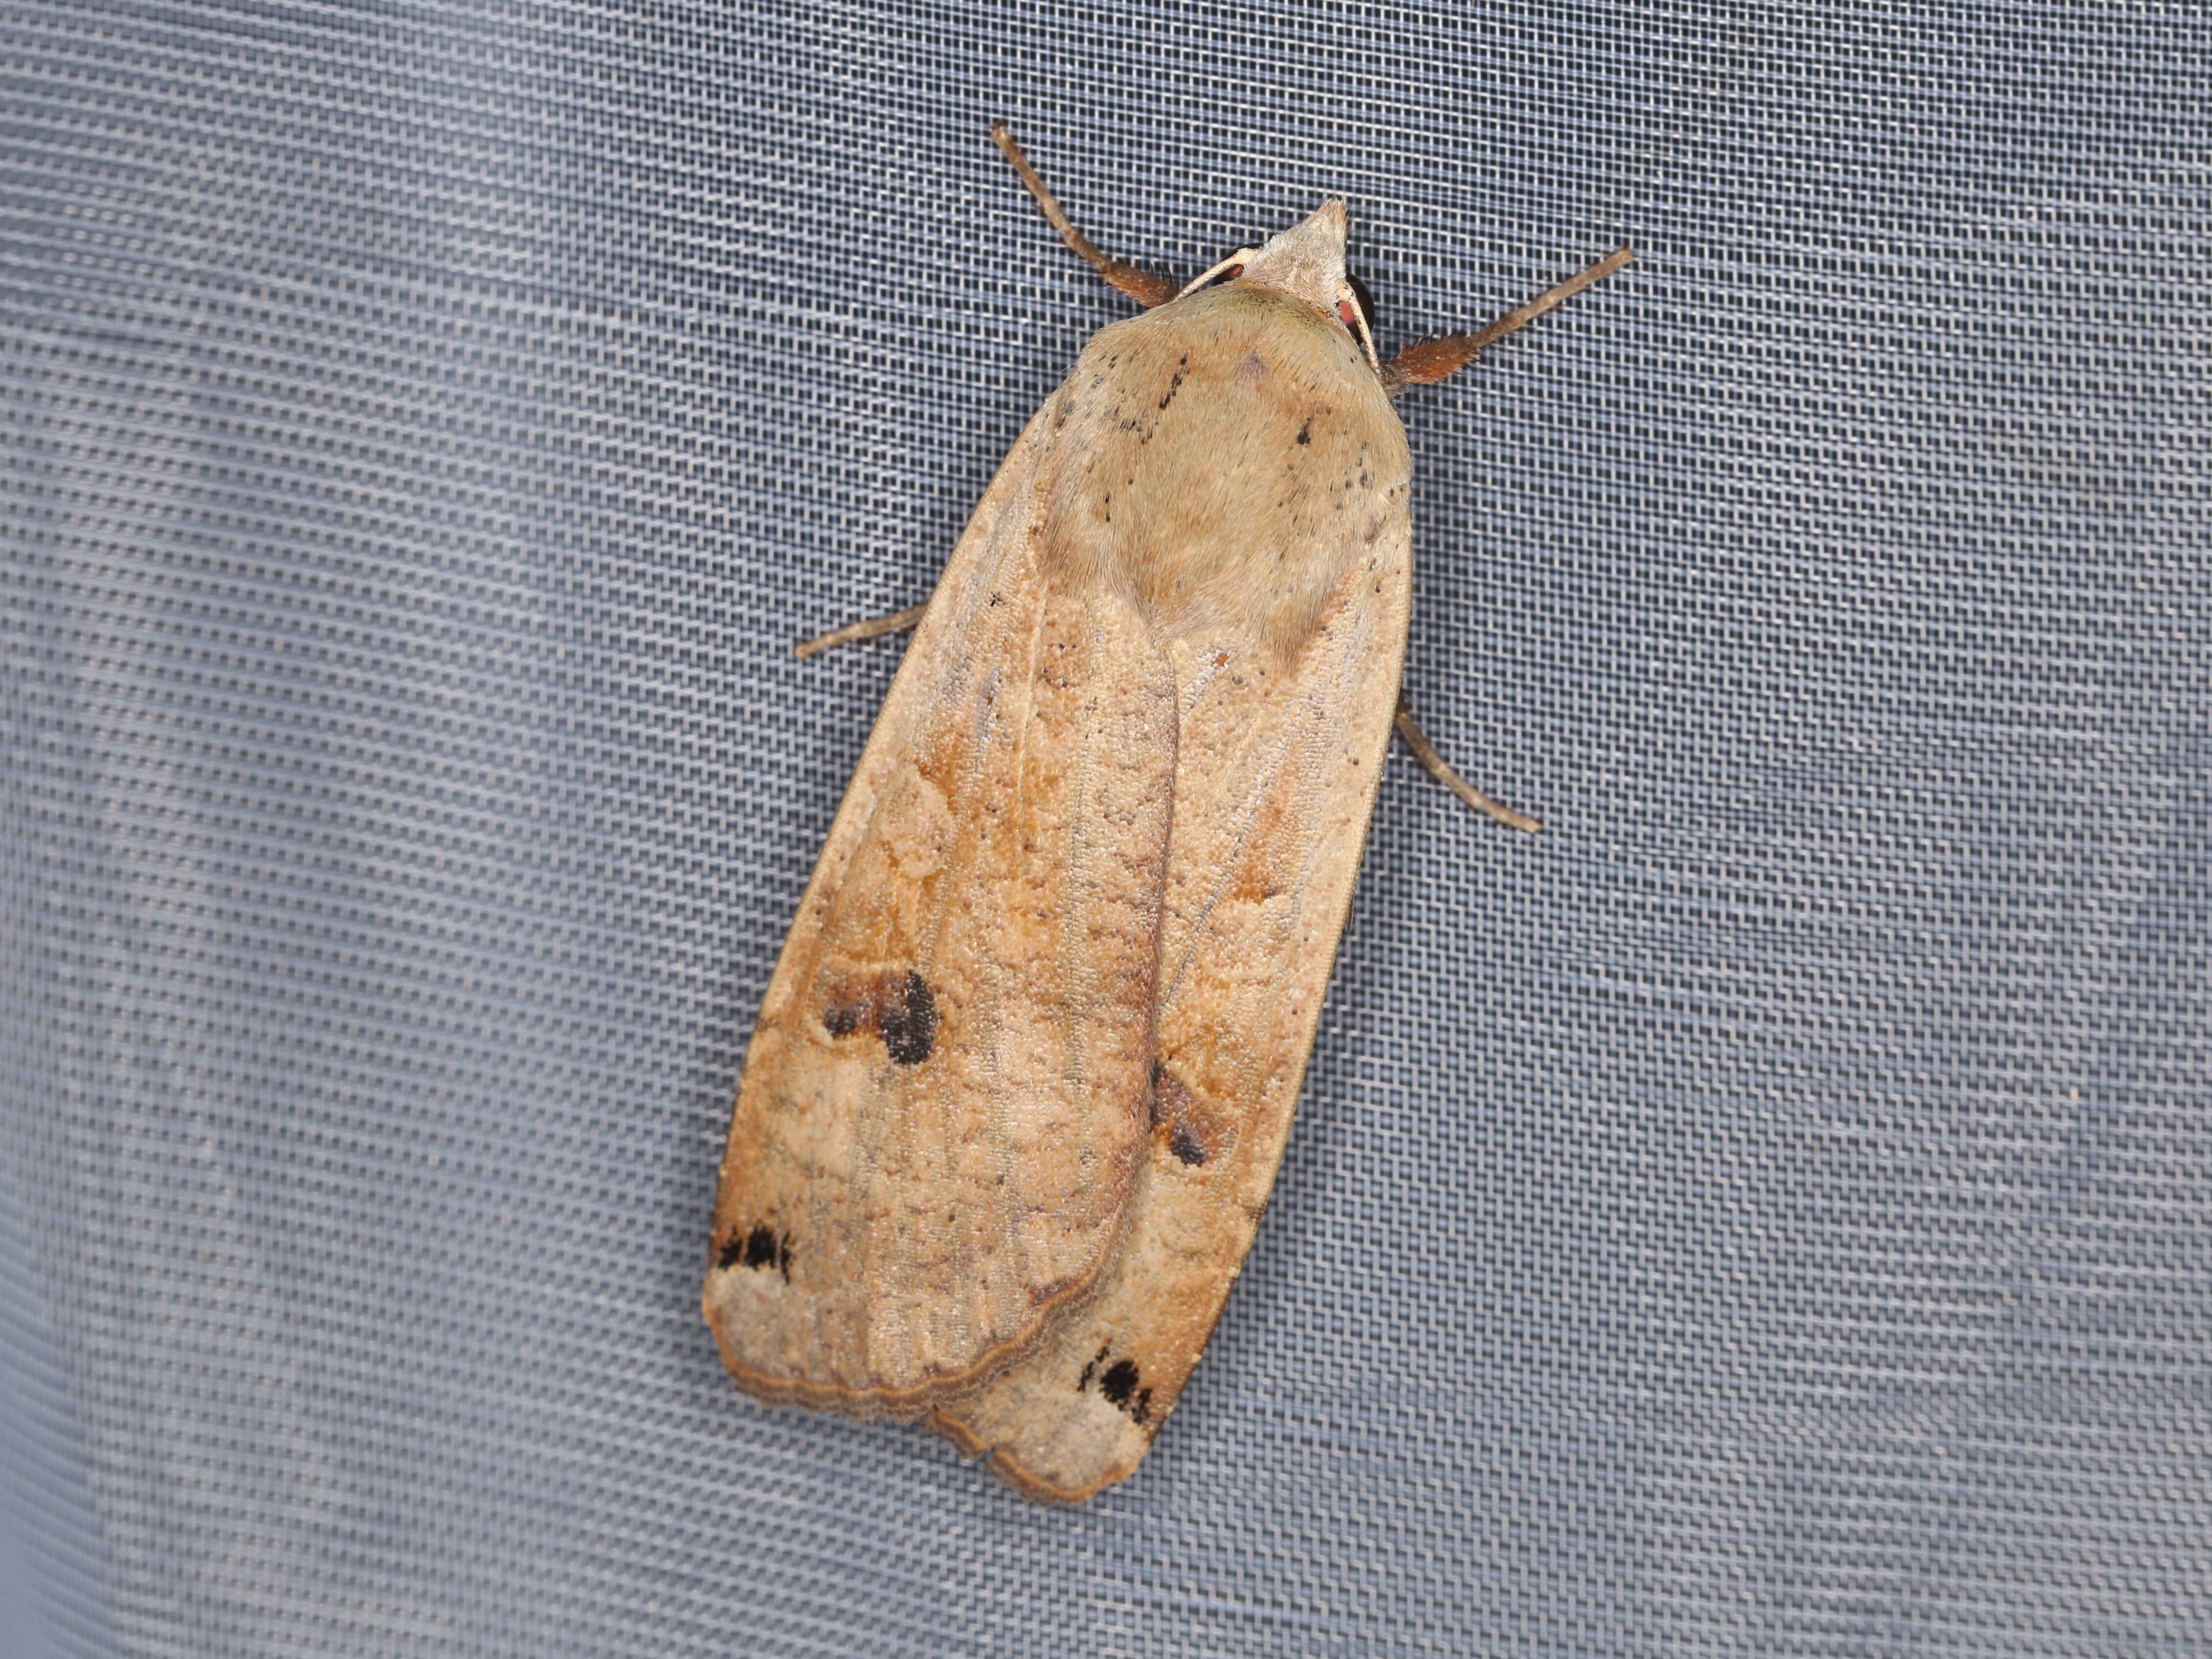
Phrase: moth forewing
x=1282 y=736
x=945 y=1094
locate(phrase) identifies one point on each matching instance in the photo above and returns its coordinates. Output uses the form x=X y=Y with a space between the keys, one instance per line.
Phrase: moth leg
x=1426 y=362
x=1439 y=768
x=852 y=632
x=1141 y=286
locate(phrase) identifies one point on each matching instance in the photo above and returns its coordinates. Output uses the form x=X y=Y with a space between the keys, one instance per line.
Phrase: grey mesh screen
x=1765 y=1213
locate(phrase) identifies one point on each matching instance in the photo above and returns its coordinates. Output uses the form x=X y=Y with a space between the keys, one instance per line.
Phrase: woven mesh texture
x=1766 y=1213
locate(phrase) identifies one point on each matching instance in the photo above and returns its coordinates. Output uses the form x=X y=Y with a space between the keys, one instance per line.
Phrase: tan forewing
x=1286 y=703
x=944 y=1103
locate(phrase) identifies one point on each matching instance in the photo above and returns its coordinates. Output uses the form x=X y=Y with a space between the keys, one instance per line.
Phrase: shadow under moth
x=1020 y=1082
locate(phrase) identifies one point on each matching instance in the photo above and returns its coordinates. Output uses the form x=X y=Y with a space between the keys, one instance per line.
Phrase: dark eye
x=1366 y=302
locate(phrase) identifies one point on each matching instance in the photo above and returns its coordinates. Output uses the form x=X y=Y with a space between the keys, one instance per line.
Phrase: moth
x=1019 y=1084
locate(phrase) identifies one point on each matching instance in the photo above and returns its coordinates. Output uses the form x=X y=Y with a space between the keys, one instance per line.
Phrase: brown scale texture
x=1100 y=847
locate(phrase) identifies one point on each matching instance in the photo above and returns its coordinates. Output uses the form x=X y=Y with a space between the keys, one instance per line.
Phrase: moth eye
x=1367 y=304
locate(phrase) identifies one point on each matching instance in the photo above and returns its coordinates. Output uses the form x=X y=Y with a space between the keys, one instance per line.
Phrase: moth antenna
x=1229 y=267
x=1440 y=769
x=1355 y=319
x=853 y=633
x=1141 y=286
x=1426 y=362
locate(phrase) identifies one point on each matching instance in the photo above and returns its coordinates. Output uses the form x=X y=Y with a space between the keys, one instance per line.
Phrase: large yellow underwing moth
x=1020 y=1082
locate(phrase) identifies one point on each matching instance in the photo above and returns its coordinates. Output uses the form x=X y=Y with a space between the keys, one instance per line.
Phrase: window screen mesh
x=1766 y=1213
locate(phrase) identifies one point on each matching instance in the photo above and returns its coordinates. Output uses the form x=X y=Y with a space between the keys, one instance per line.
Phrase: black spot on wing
x=898 y=1007
x=1191 y=1133
x=763 y=1247
x=1119 y=1385
x=909 y=1027
x=1084 y=1381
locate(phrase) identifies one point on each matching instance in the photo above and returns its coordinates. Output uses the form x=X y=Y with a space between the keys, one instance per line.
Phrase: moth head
x=1307 y=260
